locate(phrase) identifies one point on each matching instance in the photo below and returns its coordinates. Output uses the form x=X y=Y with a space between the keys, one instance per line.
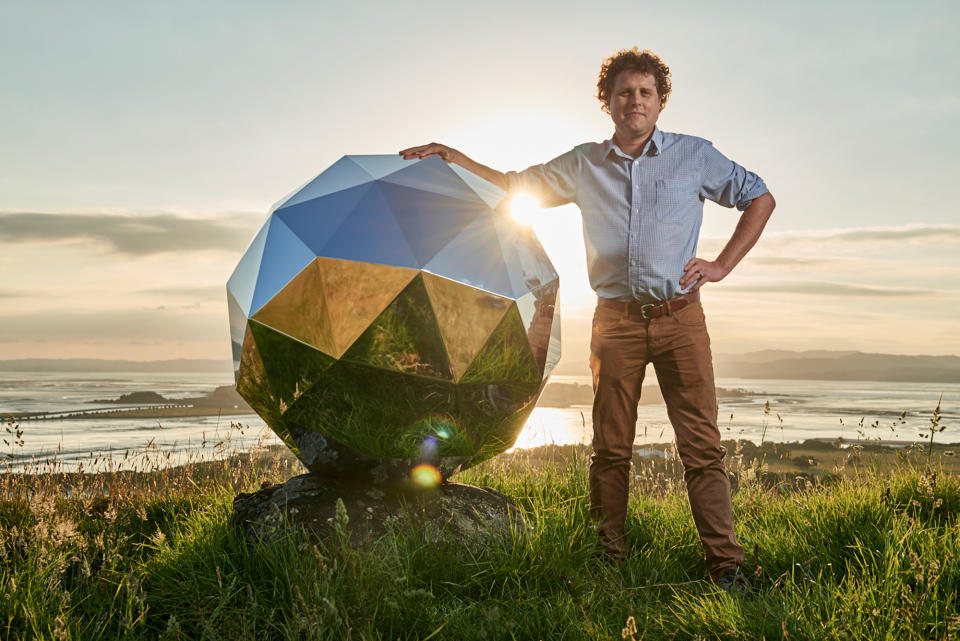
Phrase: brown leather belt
x=651 y=310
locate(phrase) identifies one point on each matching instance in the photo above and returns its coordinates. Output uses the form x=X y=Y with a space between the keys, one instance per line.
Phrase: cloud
x=114 y=325
x=794 y=261
x=133 y=234
x=825 y=288
x=202 y=292
x=861 y=238
x=905 y=233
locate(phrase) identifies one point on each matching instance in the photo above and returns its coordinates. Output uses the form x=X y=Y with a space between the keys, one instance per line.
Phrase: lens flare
x=426 y=475
x=428 y=447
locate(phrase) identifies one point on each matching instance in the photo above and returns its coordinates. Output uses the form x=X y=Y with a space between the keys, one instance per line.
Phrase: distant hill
x=222 y=396
x=102 y=365
x=774 y=363
x=840 y=366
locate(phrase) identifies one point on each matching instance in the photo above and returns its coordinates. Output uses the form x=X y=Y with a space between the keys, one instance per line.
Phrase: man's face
x=634 y=104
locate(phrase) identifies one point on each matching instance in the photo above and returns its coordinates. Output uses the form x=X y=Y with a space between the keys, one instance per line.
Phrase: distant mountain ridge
x=840 y=366
x=103 y=365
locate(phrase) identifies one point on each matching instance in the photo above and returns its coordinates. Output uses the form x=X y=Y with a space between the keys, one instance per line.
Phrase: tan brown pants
x=679 y=347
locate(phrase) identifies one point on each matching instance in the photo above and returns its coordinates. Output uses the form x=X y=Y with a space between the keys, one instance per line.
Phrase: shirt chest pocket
x=676 y=199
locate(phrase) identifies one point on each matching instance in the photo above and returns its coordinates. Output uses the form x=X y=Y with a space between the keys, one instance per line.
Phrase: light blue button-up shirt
x=641 y=216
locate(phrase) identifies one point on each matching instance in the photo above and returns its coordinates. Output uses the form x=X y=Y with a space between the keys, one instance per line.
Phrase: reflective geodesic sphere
x=387 y=315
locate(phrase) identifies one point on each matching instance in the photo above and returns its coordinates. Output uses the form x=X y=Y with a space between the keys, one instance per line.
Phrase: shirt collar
x=652 y=148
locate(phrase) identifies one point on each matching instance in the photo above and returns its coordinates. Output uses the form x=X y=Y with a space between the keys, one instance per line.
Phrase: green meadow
x=853 y=542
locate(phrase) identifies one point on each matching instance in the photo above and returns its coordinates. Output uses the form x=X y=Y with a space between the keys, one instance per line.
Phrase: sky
x=142 y=145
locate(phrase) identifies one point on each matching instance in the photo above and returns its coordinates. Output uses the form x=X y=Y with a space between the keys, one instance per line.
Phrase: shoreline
x=177 y=411
x=224 y=401
x=812 y=458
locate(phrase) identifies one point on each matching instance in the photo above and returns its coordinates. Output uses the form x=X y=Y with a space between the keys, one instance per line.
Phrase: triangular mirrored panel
x=404 y=337
x=299 y=310
x=291 y=367
x=238 y=326
x=525 y=261
x=553 y=353
x=500 y=436
x=243 y=281
x=343 y=174
x=371 y=235
x=428 y=221
x=254 y=386
x=506 y=357
x=332 y=302
x=490 y=193
x=433 y=175
x=381 y=165
x=284 y=256
x=539 y=324
x=315 y=221
x=466 y=316
x=473 y=257
x=355 y=294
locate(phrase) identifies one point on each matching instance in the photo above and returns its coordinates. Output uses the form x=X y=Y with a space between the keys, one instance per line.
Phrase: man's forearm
x=748 y=230
x=449 y=154
x=699 y=271
x=489 y=174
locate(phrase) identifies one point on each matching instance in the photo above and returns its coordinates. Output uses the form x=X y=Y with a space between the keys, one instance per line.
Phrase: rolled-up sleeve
x=727 y=183
x=552 y=183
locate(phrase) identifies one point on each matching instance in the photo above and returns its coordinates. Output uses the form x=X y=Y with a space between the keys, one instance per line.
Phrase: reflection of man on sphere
x=641 y=197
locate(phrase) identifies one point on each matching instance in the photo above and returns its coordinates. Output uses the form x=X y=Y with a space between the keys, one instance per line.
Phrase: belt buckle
x=643 y=310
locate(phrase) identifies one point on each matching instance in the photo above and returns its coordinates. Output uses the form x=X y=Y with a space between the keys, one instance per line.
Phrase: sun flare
x=525 y=209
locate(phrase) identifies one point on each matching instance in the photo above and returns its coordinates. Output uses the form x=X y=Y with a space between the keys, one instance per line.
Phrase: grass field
x=860 y=545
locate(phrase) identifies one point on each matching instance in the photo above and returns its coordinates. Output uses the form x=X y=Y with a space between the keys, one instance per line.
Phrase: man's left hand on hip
x=698 y=272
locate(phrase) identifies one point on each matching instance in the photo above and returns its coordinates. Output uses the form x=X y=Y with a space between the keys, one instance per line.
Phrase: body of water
x=127 y=442
x=798 y=410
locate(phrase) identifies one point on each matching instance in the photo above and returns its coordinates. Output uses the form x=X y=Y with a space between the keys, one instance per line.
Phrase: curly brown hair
x=644 y=61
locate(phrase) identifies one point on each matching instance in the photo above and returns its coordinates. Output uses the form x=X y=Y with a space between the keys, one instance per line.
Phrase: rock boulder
x=453 y=513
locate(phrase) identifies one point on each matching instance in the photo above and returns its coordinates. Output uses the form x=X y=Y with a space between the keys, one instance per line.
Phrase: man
x=641 y=197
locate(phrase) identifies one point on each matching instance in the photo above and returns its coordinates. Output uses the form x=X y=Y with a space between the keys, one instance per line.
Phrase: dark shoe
x=733 y=582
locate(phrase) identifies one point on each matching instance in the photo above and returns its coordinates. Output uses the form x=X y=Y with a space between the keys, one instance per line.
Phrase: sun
x=525 y=209
x=561 y=235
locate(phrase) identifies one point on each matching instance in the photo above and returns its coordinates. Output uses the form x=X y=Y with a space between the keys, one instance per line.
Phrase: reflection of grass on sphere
x=495 y=414
x=290 y=366
x=275 y=371
x=393 y=386
x=404 y=337
x=506 y=355
x=253 y=386
x=386 y=414
x=370 y=409
x=449 y=439
x=500 y=436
